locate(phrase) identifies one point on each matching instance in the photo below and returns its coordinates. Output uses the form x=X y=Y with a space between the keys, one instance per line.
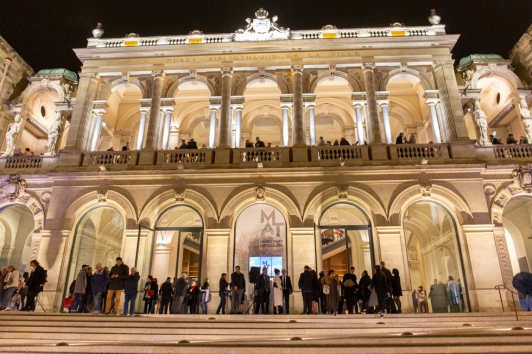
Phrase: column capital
x=226 y=70
x=236 y=100
x=145 y=110
x=367 y=66
x=432 y=101
x=358 y=96
x=286 y=98
x=431 y=94
x=167 y=102
x=311 y=104
x=100 y=107
x=166 y=109
x=359 y=103
x=237 y=106
x=287 y=105
x=214 y=107
x=382 y=95
x=215 y=100
x=382 y=103
x=296 y=68
x=158 y=73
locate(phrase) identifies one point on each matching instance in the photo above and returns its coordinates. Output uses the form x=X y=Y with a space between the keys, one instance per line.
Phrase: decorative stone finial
x=98 y=31
x=434 y=19
x=132 y=35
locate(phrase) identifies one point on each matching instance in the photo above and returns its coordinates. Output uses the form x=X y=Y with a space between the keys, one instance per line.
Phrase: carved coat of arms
x=262 y=28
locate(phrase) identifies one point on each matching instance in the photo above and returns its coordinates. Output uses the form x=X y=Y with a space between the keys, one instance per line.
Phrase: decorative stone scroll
x=14 y=187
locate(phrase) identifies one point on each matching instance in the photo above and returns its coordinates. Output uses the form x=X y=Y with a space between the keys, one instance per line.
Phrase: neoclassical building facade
x=448 y=203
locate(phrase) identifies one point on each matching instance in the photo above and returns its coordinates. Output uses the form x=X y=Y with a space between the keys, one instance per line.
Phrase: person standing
x=223 y=285
x=205 y=295
x=35 y=284
x=259 y=143
x=305 y=284
x=454 y=294
x=349 y=286
x=438 y=297
x=166 y=293
x=180 y=292
x=334 y=294
x=149 y=293
x=399 y=139
x=323 y=299
x=192 y=298
x=364 y=292
x=99 y=285
x=423 y=307
x=23 y=289
x=379 y=284
x=11 y=285
x=117 y=278
x=315 y=291
x=390 y=305
x=80 y=288
x=131 y=291
x=277 y=293
x=238 y=284
x=396 y=289
x=263 y=288
x=286 y=284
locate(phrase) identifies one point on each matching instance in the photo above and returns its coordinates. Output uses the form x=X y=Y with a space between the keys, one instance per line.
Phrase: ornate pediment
x=262 y=28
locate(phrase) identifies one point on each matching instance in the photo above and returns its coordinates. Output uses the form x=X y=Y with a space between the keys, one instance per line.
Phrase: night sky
x=44 y=32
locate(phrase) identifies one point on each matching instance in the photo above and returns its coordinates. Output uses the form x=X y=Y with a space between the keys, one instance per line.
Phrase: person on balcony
x=523 y=140
x=336 y=143
x=248 y=144
x=412 y=139
x=344 y=141
x=321 y=142
x=510 y=139
x=259 y=143
x=183 y=144
x=126 y=147
x=399 y=139
x=192 y=145
x=494 y=140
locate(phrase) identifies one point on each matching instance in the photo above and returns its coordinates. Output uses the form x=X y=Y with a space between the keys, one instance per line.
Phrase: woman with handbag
x=325 y=285
x=193 y=297
x=149 y=293
x=277 y=293
x=205 y=297
x=223 y=293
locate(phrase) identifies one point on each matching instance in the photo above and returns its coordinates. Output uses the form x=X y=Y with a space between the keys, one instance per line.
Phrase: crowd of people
x=510 y=140
x=19 y=291
x=444 y=297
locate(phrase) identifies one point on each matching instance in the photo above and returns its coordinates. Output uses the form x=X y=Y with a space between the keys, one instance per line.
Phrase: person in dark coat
x=130 y=291
x=364 y=292
x=259 y=143
x=390 y=305
x=315 y=292
x=222 y=292
x=286 y=283
x=379 y=284
x=193 y=298
x=399 y=139
x=334 y=295
x=438 y=297
x=183 y=144
x=323 y=299
x=192 y=144
x=344 y=141
x=396 y=289
x=349 y=287
x=118 y=276
x=263 y=287
x=150 y=291
x=305 y=284
x=155 y=296
x=99 y=285
x=35 y=284
x=166 y=293
x=180 y=292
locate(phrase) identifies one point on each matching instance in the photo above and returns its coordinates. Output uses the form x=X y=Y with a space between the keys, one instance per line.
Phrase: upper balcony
x=268 y=158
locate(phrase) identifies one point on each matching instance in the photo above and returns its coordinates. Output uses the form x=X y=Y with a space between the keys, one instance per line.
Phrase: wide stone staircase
x=406 y=333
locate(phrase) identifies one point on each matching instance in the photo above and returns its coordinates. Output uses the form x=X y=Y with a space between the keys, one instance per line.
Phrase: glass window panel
x=434 y=257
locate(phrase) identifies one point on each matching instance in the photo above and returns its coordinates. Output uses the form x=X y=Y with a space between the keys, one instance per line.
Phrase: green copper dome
x=465 y=60
x=69 y=75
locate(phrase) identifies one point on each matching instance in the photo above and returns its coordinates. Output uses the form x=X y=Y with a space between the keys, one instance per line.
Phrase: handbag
x=373 y=299
x=326 y=289
x=151 y=293
x=67 y=303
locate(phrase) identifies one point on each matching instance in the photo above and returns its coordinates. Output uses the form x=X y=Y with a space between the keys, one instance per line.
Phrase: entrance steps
x=405 y=333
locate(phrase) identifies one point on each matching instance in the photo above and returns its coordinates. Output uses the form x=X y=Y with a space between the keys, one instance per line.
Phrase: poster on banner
x=260 y=238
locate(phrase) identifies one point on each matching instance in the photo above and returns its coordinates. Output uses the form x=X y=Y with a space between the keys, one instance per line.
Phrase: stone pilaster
x=373 y=123
x=298 y=109
x=224 y=128
x=154 y=121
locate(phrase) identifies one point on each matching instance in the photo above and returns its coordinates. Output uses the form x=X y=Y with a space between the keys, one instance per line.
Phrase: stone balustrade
x=318 y=156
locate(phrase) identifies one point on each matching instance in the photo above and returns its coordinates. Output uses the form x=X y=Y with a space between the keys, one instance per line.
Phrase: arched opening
x=517 y=223
x=260 y=241
x=344 y=240
x=434 y=257
x=120 y=124
x=201 y=132
x=98 y=238
x=191 y=94
x=178 y=244
x=269 y=131
x=16 y=229
x=328 y=128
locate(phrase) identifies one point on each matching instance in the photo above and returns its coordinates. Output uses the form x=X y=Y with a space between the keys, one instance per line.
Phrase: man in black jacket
x=286 y=283
x=389 y=300
x=181 y=289
x=166 y=293
x=117 y=281
x=349 y=288
x=259 y=143
x=263 y=288
x=305 y=284
x=130 y=291
x=238 y=285
x=192 y=144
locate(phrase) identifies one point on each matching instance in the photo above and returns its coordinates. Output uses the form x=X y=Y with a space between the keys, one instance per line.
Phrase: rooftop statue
x=261 y=28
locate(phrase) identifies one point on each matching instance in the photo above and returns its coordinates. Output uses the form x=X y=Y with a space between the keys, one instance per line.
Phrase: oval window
x=498 y=98
x=43 y=111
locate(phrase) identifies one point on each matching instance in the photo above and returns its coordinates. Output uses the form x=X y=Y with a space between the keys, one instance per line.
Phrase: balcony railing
x=313 y=156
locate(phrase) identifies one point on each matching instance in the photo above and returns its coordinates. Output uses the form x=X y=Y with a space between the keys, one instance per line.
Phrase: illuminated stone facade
x=432 y=208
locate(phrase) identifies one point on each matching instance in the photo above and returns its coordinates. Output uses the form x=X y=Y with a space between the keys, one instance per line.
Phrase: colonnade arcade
x=286 y=106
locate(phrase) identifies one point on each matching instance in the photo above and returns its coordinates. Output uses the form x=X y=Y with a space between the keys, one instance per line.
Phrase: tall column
x=386 y=120
x=312 y=127
x=285 y=107
x=298 y=110
x=360 y=127
x=142 y=127
x=238 y=126
x=373 y=123
x=153 y=122
x=451 y=104
x=97 y=128
x=7 y=64
x=224 y=130
x=168 y=120
x=212 y=127
x=431 y=102
x=78 y=138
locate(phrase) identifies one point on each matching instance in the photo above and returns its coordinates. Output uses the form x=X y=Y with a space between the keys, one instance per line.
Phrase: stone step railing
x=184 y=157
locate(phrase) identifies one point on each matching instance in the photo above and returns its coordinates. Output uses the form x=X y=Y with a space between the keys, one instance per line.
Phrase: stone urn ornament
x=434 y=19
x=98 y=31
